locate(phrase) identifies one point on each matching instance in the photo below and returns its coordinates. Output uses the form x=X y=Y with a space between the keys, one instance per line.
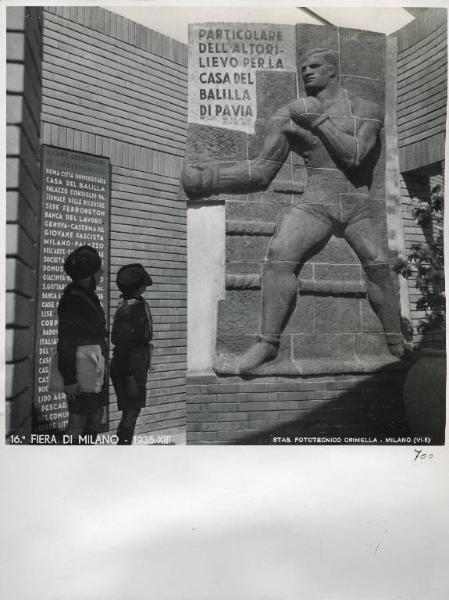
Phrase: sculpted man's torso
x=347 y=113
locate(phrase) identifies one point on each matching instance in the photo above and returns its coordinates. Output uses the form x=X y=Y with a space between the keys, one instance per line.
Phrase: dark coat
x=81 y=321
x=133 y=325
x=132 y=332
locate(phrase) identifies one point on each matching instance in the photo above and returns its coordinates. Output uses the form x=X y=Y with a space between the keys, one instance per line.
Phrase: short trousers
x=138 y=360
x=87 y=403
x=346 y=211
x=331 y=199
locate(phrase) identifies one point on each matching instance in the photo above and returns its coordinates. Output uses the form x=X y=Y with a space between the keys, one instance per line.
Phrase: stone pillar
x=205 y=283
x=395 y=226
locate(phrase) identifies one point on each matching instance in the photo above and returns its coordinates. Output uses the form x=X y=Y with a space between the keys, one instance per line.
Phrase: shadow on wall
x=376 y=415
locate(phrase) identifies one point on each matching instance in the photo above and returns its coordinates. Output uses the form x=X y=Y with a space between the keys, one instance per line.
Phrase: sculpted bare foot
x=258 y=354
x=396 y=344
x=397 y=349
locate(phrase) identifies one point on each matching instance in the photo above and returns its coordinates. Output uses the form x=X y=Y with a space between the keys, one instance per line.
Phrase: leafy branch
x=426 y=262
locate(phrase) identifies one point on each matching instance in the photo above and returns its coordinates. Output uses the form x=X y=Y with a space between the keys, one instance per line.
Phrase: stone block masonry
x=297 y=317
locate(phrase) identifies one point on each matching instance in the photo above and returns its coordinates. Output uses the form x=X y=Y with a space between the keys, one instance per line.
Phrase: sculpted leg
x=367 y=244
x=296 y=234
x=127 y=425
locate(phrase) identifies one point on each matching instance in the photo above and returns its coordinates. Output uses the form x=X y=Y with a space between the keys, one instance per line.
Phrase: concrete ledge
x=303 y=367
x=246 y=281
x=332 y=287
x=288 y=187
x=250 y=227
x=200 y=378
x=252 y=281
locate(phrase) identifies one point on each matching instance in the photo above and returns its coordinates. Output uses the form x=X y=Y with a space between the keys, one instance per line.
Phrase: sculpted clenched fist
x=306 y=110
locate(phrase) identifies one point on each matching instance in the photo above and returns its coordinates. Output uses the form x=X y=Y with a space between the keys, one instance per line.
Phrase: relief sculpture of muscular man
x=337 y=134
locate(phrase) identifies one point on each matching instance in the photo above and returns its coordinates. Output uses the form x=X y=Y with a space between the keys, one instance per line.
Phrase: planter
x=425 y=396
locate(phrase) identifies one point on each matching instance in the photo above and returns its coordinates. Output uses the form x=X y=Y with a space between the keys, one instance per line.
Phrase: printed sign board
x=74 y=212
x=223 y=62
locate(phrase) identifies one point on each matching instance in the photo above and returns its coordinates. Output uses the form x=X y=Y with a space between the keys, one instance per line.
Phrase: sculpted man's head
x=319 y=68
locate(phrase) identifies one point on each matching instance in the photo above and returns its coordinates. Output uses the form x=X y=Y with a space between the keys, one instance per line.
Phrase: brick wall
x=421 y=110
x=422 y=89
x=342 y=407
x=24 y=40
x=113 y=88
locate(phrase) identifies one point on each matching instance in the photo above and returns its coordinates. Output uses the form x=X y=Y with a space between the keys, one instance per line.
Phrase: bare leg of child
x=125 y=431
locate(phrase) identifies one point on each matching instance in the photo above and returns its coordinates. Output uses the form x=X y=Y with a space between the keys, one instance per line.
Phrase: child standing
x=132 y=332
x=81 y=322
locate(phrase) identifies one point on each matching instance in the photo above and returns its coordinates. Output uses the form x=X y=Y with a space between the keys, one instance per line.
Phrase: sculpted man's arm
x=281 y=131
x=347 y=148
x=350 y=150
x=276 y=144
x=256 y=174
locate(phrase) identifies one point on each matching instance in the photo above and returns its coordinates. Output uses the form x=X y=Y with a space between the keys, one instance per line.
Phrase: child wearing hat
x=132 y=332
x=81 y=322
